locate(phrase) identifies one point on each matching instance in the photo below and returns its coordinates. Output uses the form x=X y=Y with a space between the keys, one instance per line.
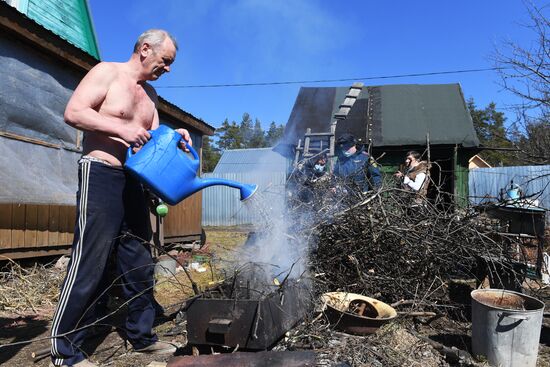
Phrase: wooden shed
x=391 y=120
x=46 y=47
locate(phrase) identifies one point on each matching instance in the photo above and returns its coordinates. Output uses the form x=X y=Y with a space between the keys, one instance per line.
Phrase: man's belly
x=112 y=150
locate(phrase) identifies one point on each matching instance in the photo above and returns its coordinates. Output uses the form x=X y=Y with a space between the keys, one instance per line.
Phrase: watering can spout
x=246 y=190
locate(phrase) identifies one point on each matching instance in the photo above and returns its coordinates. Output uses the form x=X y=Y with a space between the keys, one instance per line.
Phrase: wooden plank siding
x=28 y=230
x=185 y=218
x=31 y=221
x=18 y=226
x=53 y=225
x=68 y=19
x=5 y=226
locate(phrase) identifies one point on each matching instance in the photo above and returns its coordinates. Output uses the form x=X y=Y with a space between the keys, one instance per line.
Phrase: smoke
x=274 y=244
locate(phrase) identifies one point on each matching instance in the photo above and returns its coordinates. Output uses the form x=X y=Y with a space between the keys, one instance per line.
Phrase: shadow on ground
x=18 y=329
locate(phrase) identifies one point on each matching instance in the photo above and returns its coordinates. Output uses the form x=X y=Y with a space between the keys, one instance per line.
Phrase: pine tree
x=490 y=129
x=274 y=134
x=229 y=136
x=245 y=130
x=210 y=154
x=258 y=136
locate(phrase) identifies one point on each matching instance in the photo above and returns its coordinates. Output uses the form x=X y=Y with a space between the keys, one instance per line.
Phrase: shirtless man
x=116 y=107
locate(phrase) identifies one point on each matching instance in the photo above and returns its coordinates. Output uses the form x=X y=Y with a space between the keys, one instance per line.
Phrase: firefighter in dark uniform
x=355 y=165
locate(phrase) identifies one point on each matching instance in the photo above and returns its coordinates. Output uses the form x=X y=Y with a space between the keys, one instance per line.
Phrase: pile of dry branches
x=388 y=245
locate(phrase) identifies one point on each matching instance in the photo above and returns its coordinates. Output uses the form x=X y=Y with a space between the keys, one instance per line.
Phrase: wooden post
x=297 y=154
x=306 y=142
x=332 y=138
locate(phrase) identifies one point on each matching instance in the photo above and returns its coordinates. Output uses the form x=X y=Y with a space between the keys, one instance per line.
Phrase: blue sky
x=247 y=41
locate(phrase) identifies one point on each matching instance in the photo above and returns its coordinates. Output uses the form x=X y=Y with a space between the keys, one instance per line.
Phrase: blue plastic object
x=513 y=194
x=167 y=170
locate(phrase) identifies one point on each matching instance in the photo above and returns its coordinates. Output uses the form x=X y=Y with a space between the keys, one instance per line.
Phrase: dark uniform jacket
x=358 y=169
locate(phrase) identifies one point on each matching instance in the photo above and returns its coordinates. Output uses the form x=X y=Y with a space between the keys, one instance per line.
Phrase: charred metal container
x=254 y=324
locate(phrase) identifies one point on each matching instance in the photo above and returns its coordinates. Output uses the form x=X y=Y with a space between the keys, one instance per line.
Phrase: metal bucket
x=506 y=327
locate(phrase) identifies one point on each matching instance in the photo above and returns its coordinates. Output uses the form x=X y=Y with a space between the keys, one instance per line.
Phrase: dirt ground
x=26 y=329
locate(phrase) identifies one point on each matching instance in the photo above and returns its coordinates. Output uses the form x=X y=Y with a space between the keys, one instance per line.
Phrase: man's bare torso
x=126 y=102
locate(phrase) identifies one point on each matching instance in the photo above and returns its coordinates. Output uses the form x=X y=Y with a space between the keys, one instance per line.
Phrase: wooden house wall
x=28 y=230
x=68 y=18
x=461 y=176
x=184 y=220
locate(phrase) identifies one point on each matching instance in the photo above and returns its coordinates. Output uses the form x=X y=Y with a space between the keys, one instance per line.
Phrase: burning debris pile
x=409 y=253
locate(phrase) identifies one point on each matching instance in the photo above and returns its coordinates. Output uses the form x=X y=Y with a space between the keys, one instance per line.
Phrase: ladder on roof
x=324 y=142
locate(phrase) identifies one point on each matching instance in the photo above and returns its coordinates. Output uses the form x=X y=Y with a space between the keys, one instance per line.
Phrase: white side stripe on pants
x=76 y=255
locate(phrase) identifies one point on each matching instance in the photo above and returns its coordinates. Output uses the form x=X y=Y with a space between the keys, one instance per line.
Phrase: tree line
x=525 y=72
x=232 y=135
x=510 y=144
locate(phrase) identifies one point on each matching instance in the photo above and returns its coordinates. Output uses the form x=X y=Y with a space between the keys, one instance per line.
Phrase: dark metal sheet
x=255 y=324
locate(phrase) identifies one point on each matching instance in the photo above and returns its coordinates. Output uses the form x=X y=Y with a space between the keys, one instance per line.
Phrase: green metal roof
x=69 y=19
x=407 y=113
x=389 y=115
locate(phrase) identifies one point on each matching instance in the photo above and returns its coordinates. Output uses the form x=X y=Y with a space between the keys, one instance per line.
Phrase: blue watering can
x=167 y=170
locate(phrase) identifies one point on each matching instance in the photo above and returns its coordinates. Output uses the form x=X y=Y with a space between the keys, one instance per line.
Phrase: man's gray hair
x=154 y=37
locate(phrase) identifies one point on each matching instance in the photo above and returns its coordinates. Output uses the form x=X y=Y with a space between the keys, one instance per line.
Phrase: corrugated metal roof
x=251 y=160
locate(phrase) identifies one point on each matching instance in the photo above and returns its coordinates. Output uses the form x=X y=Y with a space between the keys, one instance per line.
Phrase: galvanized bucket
x=506 y=327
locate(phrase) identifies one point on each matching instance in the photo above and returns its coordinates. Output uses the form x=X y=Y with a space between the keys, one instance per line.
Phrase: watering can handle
x=193 y=151
x=513 y=316
x=129 y=152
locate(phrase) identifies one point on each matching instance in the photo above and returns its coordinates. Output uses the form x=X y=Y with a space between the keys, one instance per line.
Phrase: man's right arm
x=81 y=112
